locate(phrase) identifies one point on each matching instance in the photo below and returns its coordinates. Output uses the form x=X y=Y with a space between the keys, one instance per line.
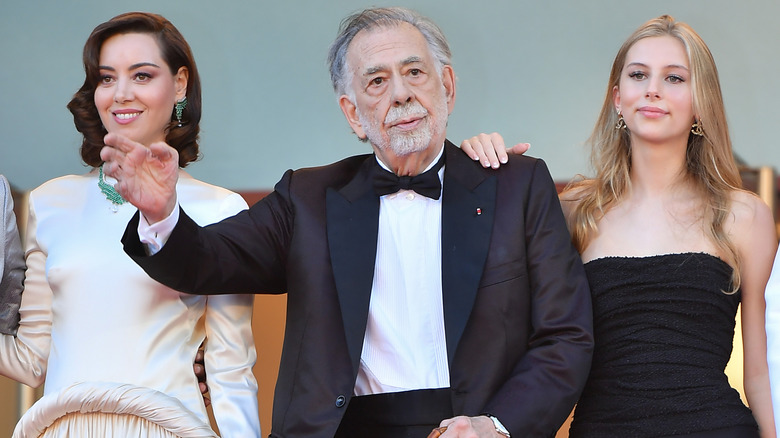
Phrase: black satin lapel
x=352 y=236
x=468 y=209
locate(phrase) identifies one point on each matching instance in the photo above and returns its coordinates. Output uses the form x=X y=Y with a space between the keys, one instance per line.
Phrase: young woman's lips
x=652 y=112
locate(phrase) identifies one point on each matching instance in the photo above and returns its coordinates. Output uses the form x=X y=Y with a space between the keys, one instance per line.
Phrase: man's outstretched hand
x=146 y=175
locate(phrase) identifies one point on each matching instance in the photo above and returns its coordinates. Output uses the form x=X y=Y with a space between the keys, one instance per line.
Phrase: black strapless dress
x=664 y=330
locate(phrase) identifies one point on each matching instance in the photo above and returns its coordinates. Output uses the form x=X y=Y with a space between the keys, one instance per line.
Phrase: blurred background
x=534 y=71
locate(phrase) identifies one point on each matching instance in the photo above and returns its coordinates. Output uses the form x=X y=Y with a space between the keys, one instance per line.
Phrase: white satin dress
x=108 y=339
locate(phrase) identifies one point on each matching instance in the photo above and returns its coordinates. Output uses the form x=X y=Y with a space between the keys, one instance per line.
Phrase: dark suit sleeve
x=241 y=254
x=548 y=379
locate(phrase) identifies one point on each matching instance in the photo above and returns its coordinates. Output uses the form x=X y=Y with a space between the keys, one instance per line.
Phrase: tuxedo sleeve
x=548 y=379
x=245 y=253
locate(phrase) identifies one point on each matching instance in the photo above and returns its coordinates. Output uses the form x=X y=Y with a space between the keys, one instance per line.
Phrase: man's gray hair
x=372 y=18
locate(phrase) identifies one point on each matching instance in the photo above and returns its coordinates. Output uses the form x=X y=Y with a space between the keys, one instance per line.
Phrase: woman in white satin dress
x=114 y=348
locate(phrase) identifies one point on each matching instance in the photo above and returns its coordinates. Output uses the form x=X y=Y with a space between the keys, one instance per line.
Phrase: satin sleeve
x=24 y=356
x=11 y=263
x=229 y=357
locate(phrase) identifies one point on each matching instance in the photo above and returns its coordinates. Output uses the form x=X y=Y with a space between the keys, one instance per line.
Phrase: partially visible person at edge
x=671 y=245
x=409 y=308
x=11 y=263
x=115 y=348
x=772 y=295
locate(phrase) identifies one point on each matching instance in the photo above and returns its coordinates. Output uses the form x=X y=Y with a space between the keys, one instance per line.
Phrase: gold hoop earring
x=696 y=128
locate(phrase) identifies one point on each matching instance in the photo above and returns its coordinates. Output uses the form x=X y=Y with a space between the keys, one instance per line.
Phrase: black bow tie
x=426 y=184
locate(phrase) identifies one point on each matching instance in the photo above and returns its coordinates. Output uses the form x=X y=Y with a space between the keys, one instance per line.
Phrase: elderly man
x=412 y=303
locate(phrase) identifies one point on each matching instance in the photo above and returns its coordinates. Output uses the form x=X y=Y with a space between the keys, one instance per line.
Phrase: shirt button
x=410 y=196
x=341 y=401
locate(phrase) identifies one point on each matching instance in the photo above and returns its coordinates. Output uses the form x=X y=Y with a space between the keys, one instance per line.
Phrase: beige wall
x=8 y=403
x=268 y=326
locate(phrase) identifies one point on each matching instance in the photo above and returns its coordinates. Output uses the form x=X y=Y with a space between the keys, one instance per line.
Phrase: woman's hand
x=489 y=149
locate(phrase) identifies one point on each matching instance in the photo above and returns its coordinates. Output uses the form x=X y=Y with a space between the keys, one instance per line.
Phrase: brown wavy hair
x=176 y=53
x=709 y=158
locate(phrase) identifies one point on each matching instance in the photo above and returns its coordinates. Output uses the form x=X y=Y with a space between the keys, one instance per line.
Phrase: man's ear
x=448 y=80
x=350 y=112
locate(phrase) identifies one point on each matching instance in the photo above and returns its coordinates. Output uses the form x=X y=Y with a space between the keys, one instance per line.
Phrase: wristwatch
x=500 y=429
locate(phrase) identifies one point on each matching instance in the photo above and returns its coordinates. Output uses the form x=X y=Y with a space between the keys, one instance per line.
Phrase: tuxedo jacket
x=517 y=308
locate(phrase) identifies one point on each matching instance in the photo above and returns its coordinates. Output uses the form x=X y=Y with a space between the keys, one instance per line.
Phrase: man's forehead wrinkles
x=371 y=69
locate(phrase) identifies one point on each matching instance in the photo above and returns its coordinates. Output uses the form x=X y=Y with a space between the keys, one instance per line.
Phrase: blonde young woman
x=114 y=347
x=671 y=246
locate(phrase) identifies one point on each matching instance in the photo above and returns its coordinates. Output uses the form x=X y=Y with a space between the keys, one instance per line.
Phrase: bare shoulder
x=750 y=220
x=747 y=209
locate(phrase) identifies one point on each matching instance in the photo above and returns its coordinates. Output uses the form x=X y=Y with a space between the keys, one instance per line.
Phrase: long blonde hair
x=709 y=160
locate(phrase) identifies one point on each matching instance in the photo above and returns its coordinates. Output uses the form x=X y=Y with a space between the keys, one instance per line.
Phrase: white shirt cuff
x=154 y=236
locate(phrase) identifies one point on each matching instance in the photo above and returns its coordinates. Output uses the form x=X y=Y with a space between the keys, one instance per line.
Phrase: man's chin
x=402 y=145
x=408 y=146
x=405 y=150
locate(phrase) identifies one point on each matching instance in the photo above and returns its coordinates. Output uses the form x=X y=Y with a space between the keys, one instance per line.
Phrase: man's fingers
x=115 y=153
x=163 y=152
x=108 y=153
x=110 y=167
x=121 y=143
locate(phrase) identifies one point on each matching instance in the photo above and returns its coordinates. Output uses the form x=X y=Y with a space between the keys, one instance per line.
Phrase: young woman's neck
x=658 y=169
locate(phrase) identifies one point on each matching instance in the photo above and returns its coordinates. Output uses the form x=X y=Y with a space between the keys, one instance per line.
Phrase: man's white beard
x=406 y=142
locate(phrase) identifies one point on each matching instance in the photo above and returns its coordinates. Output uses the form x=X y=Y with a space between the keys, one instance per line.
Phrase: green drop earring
x=179 y=108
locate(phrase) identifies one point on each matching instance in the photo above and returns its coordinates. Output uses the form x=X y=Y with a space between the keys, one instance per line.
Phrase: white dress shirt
x=404 y=347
